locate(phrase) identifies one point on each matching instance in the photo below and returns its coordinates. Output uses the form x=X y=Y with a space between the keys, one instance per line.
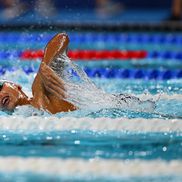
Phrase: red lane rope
x=90 y=54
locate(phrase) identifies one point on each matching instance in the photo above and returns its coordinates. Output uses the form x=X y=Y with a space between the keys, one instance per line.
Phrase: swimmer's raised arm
x=48 y=88
x=56 y=46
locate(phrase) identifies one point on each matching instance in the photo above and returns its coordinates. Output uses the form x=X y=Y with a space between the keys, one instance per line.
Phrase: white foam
x=39 y=124
x=162 y=96
x=93 y=167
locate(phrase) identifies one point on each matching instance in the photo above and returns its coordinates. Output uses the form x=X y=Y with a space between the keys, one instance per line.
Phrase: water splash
x=83 y=93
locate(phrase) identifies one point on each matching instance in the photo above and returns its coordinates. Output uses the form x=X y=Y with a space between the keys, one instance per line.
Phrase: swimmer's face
x=10 y=94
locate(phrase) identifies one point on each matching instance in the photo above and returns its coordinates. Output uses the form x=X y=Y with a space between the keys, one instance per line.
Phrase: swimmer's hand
x=52 y=82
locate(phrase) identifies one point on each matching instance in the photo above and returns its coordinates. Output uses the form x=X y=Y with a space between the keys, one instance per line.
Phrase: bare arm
x=48 y=86
x=54 y=48
x=53 y=84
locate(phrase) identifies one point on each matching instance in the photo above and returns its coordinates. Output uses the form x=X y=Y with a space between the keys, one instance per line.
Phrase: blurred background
x=88 y=11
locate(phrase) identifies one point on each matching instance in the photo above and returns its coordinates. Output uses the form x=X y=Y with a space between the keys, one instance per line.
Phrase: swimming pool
x=106 y=144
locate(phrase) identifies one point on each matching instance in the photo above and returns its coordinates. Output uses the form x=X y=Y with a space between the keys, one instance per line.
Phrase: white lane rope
x=93 y=167
x=41 y=124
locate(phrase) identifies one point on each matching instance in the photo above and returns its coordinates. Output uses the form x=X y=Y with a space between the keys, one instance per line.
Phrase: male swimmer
x=48 y=88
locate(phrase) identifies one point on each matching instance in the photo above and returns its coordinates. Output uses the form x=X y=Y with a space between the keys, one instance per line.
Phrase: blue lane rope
x=163 y=55
x=134 y=73
x=95 y=37
x=115 y=73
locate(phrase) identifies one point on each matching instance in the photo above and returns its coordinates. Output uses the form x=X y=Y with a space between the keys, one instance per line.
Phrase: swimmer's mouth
x=5 y=101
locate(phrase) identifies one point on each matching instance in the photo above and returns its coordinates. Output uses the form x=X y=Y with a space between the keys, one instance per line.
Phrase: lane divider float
x=144 y=38
x=96 y=55
x=148 y=74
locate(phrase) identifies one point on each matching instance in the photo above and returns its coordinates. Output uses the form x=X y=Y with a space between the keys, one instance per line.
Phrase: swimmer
x=48 y=89
x=49 y=92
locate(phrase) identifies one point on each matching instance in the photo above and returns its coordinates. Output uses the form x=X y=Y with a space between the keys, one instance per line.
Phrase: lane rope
x=40 y=124
x=144 y=38
x=74 y=168
x=148 y=74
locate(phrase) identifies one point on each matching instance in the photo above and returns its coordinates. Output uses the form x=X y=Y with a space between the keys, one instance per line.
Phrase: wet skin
x=48 y=89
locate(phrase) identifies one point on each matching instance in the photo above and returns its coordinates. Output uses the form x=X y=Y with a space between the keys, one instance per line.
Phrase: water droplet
x=77 y=142
x=58 y=137
x=25 y=138
x=73 y=131
x=164 y=149
x=48 y=138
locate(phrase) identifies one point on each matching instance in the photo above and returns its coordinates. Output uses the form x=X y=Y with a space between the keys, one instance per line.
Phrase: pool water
x=105 y=144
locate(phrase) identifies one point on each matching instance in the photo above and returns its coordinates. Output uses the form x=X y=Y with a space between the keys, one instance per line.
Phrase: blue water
x=106 y=145
x=89 y=144
x=29 y=177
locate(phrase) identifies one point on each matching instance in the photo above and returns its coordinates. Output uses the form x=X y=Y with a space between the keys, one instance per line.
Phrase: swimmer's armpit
x=52 y=83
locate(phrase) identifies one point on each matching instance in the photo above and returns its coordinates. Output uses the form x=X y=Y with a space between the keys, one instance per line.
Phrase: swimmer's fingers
x=54 y=90
x=52 y=83
x=50 y=80
x=48 y=75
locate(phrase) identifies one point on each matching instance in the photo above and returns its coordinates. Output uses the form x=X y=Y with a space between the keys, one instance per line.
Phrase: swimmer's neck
x=24 y=100
x=27 y=101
